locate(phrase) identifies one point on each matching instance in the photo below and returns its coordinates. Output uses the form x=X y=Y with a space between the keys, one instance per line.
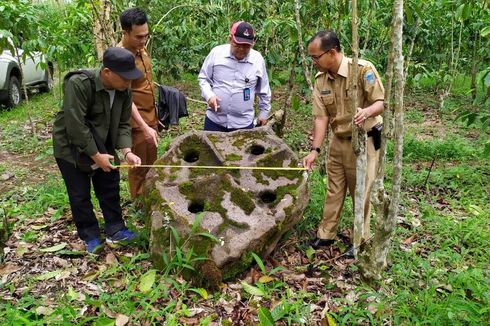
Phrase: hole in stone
x=267 y=196
x=191 y=156
x=196 y=207
x=257 y=149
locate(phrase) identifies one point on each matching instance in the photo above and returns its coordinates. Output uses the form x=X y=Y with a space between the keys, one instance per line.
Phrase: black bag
x=82 y=160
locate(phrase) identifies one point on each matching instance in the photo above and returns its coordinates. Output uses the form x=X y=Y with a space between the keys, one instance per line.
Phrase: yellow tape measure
x=281 y=168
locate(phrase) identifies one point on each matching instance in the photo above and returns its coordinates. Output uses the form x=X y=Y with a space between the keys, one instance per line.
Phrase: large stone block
x=247 y=210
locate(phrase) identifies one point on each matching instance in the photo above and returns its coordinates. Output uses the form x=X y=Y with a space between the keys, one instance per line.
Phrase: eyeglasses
x=317 y=57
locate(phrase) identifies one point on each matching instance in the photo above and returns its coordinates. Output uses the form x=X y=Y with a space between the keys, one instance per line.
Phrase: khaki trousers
x=148 y=155
x=341 y=169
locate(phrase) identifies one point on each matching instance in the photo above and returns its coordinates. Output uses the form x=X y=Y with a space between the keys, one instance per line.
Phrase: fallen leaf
x=202 y=292
x=121 y=320
x=109 y=313
x=38 y=227
x=110 y=259
x=194 y=311
x=253 y=290
x=48 y=275
x=265 y=279
x=46 y=311
x=58 y=247
x=410 y=239
x=373 y=308
x=147 y=280
x=9 y=269
x=78 y=246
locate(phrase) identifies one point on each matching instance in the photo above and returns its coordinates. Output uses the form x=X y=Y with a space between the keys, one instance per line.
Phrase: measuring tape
x=281 y=168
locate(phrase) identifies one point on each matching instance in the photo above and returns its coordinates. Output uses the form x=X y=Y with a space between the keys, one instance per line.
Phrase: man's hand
x=104 y=161
x=213 y=103
x=309 y=159
x=262 y=122
x=361 y=116
x=151 y=135
x=132 y=159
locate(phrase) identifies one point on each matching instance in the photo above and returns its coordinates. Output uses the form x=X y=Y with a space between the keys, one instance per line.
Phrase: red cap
x=243 y=33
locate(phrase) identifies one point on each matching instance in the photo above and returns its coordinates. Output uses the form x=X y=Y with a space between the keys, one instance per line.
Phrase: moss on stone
x=234 y=268
x=242 y=199
x=186 y=188
x=213 y=138
x=283 y=191
x=206 y=156
x=233 y=157
x=276 y=160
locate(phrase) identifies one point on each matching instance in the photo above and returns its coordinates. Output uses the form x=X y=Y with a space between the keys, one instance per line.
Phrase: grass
x=438 y=272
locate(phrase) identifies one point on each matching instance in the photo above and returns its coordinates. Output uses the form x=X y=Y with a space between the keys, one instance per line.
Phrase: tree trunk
x=26 y=93
x=102 y=26
x=358 y=138
x=474 y=64
x=373 y=264
x=339 y=18
x=371 y=9
x=306 y=70
x=412 y=44
x=452 y=70
x=279 y=129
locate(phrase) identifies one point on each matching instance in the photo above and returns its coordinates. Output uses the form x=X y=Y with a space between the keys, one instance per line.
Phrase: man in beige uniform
x=134 y=24
x=332 y=107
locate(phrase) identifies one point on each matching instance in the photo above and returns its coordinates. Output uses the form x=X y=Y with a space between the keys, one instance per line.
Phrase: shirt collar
x=344 y=67
x=98 y=83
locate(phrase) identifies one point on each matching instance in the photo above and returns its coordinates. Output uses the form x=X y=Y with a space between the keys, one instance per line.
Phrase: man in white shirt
x=230 y=77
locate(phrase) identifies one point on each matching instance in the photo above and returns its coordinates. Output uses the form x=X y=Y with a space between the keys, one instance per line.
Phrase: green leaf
x=197 y=222
x=330 y=320
x=48 y=275
x=265 y=317
x=38 y=227
x=260 y=263
x=147 y=280
x=485 y=31
x=58 y=247
x=295 y=103
x=202 y=292
x=253 y=290
x=310 y=253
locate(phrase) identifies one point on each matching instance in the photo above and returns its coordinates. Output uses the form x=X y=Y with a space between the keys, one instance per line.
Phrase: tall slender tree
x=374 y=259
x=358 y=138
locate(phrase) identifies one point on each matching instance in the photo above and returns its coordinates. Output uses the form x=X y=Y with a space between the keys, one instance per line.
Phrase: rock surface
x=244 y=210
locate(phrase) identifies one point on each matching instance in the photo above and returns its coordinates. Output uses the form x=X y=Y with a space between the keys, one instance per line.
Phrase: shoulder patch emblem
x=369 y=77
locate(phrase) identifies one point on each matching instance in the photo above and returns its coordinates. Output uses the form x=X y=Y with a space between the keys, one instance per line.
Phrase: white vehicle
x=11 y=81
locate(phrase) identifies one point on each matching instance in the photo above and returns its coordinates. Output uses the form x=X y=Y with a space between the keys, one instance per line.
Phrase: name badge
x=325 y=92
x=246 y=94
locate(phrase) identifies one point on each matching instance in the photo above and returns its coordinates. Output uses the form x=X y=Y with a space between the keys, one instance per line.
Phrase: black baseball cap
x=121 y=61
x=243 y=33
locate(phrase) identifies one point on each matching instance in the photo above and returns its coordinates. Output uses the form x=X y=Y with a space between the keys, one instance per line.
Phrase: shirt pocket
x=96 y=111
x=329 y=102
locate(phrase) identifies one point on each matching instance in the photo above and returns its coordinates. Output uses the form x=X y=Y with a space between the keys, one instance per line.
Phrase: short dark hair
x=132 y=16
x=328 y=40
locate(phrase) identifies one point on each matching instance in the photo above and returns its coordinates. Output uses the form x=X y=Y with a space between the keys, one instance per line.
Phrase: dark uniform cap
x=121 y=61
x=243 y=33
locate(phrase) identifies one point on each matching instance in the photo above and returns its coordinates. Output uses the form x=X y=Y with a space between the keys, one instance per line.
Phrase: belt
x=370 y=133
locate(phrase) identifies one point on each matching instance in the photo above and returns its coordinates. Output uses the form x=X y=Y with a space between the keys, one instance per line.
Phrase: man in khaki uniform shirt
x=332 y=107
x=134 y=24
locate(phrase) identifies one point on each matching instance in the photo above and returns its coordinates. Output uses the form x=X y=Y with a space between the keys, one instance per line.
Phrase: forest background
x=438 y=272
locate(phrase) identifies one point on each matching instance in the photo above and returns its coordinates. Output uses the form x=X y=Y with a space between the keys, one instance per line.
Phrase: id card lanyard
x=246 y=90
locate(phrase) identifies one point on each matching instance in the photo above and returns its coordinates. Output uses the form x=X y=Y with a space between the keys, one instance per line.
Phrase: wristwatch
x=317 y=149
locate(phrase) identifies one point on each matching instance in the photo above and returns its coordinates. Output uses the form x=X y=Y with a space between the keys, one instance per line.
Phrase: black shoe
x=321 y=243
x=349 y=253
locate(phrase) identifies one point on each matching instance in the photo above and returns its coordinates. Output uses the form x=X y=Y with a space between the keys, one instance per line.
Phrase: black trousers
x=106 y=187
